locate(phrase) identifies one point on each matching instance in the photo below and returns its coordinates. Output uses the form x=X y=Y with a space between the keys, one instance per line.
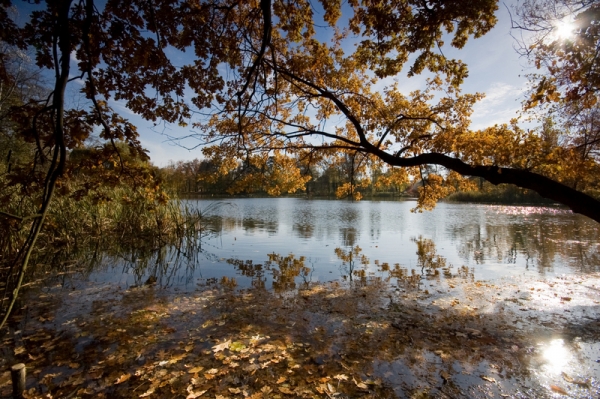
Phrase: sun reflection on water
x=556 y=355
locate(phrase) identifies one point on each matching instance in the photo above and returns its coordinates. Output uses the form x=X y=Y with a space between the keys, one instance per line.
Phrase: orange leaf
x=123 y=378
x=557 y=389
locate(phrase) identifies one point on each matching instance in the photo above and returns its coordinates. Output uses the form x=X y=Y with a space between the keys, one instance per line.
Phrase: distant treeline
x=500 y=194
x=189 y=178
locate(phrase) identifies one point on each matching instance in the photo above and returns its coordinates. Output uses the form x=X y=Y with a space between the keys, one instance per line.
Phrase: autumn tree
x=39 y=131
x=270 y=84
x=296 y=84
x=561 y=38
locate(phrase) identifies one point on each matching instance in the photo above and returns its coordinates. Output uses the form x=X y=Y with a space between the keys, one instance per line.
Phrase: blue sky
x=495 y=69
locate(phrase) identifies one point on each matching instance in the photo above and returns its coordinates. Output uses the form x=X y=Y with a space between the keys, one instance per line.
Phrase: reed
x=109 y=220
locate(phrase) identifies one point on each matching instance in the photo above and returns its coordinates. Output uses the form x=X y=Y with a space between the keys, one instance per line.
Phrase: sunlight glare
x=563 y=30
x=556 y=355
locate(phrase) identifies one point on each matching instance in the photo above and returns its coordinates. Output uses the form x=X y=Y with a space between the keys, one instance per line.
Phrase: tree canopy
x=278 y=85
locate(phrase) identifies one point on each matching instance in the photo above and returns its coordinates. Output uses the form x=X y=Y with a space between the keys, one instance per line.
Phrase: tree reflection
x=349 y=236
x=285 y=269
x=249 y=269
x=539 y=240
x=349 y=259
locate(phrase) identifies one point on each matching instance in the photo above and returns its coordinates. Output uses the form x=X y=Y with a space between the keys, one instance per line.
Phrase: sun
x=563 y=30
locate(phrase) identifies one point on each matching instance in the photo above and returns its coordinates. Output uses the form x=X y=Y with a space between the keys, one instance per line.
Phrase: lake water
x=284 y=242
x=472 y=301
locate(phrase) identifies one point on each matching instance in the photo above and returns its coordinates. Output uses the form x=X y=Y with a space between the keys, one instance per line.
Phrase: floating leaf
x=566 y=377
x=360 y=385
x=557 y=389
x=582 y=383
x=237 y=346
x=490 y=379
x=177 y=358
x=445 y=376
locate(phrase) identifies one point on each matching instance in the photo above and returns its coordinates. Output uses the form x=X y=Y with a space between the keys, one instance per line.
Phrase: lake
x=319 y=298
x=486 y=242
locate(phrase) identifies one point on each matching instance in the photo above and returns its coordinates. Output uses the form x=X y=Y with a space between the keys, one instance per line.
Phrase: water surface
x=484 y=241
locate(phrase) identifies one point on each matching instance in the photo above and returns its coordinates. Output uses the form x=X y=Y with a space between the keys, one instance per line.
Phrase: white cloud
x=501 y=103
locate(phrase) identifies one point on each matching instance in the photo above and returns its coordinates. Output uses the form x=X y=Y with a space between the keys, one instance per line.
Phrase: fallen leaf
x=123 y=378
x=566 y=377
x=490 y=379
x=221 y=346
x=331 y=388
x=195 y=381
x=235 y=390
x=582 y=383
x=281 y=379
x=193 y=395
x=30 y=356
x=266 y=389
x=445 y=376
x=237 y=346
x=286 y=391
x=557 y=389
x=147 y=393
x=195 y=370
x=360 y=385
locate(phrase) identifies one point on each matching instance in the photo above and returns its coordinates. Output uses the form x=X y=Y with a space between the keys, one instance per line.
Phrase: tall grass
x=118 y=221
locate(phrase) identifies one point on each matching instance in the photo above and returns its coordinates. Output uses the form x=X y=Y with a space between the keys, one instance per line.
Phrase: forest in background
x=192 y=179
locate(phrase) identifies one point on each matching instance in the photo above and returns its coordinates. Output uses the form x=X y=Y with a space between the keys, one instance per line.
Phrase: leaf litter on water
x=344 y=340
